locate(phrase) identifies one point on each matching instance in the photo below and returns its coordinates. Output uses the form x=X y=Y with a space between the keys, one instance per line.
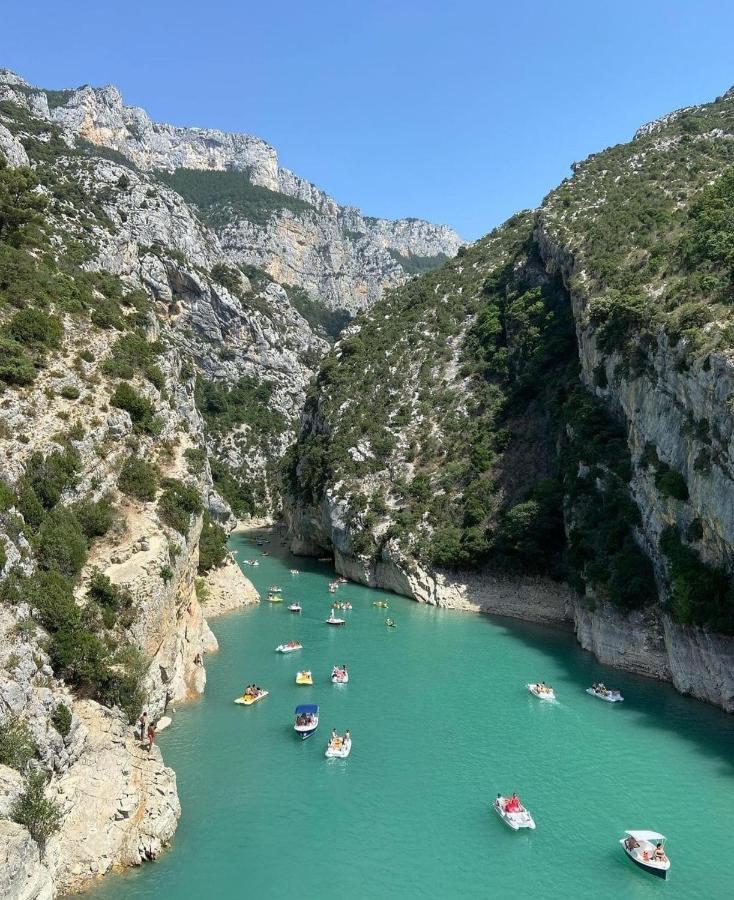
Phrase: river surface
x=441 y=721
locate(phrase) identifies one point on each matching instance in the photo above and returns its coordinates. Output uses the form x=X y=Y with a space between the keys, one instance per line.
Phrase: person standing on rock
x=142 y=724
x=151 y=736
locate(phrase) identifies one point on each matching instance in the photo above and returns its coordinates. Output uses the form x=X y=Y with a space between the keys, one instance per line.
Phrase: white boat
x=339 y=748
x=641 y=847
x=307 y=720
x=542 y=691
x=274 y=589
x=295 y=607
x=342 y=581
x=339 y=675
x=295 y=572
x=289 y=647
x=516 y=819
x=332 y=588
x=604 y=693
x=333 y=620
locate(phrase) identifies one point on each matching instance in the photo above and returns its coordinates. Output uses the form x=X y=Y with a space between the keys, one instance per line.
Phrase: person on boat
x=513 y=804
x=334 y=734
x=659 y=854
x=631 y=843
x=347 y=736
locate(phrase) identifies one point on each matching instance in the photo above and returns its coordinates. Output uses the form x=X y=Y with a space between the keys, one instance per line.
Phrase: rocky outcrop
x=335 y=252
x=23 y=875
x=225 y=589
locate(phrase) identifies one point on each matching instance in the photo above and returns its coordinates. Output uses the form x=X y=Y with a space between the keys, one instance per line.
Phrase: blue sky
x=459 y=112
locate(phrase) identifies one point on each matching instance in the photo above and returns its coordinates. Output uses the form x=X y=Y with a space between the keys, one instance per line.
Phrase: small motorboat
x=335 y=620
x=333 y=587
x=605 y=693
x=646 y=849
x=295 y=572
x=381 y=604
x=304 y=677
x=248 y=698
x=274 y=598
x=339 y=675
x=307 y=720
x=516 y=816
x=339 y=747
x=390 y=623
x=289 y=647
x=542 y=691
x=274 y=589
x=295 y=607
x=251 y=562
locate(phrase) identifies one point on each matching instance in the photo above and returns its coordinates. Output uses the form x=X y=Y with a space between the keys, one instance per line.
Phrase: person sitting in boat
x=659 y=854
x=513 y=804
x=334 y=734
x=631 y=843
x=347 y=736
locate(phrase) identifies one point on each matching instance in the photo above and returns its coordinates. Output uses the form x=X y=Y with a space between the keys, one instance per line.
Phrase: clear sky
x=459 y=112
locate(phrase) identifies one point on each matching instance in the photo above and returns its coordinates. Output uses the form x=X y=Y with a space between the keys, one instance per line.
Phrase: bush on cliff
x=17 y=745
x=178 y=503
x=212 y=545
x=34 y=810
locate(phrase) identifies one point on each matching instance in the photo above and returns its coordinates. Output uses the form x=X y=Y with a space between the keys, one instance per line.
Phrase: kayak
x=304 y=678
x=249 y=701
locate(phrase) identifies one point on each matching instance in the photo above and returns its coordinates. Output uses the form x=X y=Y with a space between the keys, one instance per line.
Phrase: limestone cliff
x=334 y=252
x=501 y=430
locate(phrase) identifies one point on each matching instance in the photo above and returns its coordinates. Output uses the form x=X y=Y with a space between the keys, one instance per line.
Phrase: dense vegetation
x=418 y=265
x=221 y=197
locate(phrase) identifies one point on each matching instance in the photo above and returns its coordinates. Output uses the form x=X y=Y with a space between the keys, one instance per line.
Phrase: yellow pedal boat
x=304 y=678
x=249 y=700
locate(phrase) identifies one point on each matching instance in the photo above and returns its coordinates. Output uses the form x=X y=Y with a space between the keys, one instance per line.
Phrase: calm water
x=441 y=721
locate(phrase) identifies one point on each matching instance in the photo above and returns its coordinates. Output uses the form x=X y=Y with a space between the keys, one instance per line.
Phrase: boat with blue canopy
x=307 y=720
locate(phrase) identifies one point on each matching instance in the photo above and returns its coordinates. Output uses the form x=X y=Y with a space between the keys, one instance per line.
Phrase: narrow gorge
x=536 y=425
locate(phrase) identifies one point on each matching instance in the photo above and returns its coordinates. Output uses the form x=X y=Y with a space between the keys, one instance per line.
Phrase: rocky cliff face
x=640 y=433
x=343 y=258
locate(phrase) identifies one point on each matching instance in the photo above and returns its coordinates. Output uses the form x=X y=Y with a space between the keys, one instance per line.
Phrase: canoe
x=249 y=701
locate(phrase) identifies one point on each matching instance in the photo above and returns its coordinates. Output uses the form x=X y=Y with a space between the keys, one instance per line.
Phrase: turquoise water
x=441 y=721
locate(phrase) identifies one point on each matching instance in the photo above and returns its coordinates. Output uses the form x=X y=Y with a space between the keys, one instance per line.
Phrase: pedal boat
x=307 y=720
x=514 y=820
x=640 y=846
x=390 y=623
x=541 y=693
x=274 y=589
x=290 y=647
x=294 y=607
x=381 y=604
x=607 y=695
x=339 y=676
x=334 y=620
x=250 y=699
x=338 y=748
x=274 y=598
x=304 y=677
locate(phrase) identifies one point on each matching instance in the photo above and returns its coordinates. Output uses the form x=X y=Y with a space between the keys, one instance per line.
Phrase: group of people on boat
x=542 y=688
x=602 y=689
x=658 y=853
x=339 y=671
x=513 y=804
x=252 y=690
x=345 y=605
x=304 y=719
x=338 y=740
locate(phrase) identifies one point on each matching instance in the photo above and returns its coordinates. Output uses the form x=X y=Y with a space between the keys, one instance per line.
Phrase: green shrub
x=3 y=555
x=196 y=458
x=17 y=745
x=700 y=594
x=32 y=809
x=61 y=544
x=178 y=503
x=61 y=719
x=34 y=328
x=212 y=545
x=70 y=392
x=141 y=410
x=95 y=517
x=138 y=479
x=166 y=574
x=48 y=477
x=671 y=483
